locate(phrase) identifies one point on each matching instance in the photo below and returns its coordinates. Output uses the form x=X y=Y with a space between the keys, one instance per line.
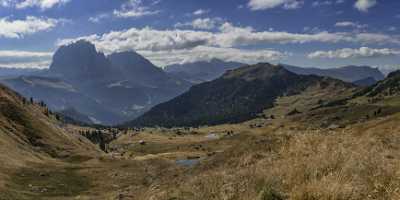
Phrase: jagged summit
x=81 y=60
x=132 y=58
x=137 y=68
x=108 y=90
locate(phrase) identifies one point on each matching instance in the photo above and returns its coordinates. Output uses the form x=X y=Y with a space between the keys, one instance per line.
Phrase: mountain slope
x=29 y=135
x=139 y=71
x=365 y=82
x=237 y=96
x=60 y=95
x=385 y=88
x=348 y=73
x=198 y=72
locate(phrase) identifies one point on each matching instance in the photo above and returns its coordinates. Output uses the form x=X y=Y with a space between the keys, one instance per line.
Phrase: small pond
x=188 y=162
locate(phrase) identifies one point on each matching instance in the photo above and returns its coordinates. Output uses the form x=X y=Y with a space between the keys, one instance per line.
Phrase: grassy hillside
x=237 y=96
x=31 y=137
x=327 y=150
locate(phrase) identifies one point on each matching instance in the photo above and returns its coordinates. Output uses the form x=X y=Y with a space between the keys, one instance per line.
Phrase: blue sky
x=311 y=33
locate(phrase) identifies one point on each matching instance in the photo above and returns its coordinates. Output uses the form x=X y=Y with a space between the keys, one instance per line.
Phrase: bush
x=268 y=193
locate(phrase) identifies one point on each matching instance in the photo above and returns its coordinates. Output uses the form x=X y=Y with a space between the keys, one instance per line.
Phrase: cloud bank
x=363 y=52
x=269 y=4
x=233 y=39
x=365 y=5
x=42 y=4
x=29 y=25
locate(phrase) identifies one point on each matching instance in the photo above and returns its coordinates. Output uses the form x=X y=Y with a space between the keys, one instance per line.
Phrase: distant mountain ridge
x=348 y=73
x=201 y=71
x=13 y=72
x=365 y=82
x=238 y=95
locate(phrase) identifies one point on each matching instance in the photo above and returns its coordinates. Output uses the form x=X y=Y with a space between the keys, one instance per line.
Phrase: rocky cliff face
x=80 y=61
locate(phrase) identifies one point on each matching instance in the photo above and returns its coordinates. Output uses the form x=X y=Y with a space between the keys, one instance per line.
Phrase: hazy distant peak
x=260 y=71
x=349 y=73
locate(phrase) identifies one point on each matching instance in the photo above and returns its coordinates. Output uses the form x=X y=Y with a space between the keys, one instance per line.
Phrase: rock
x=333 y=126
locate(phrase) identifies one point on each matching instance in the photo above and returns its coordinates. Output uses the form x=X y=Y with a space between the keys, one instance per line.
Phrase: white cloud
x=134 y=9
x=24 y=59
x=134 y=13
x=202 y=23
x=98 y=18
x=200 y=12
x=30 y=25
x=147 y=39
x=6 y=3
x=227 y=36
x=351 y=24
x=363 y=52
x=268 y=4
x=205 y=53
x=392 y=28
x=242 y=36
x=24 y=54
x=364 y=5
x=34 y=64
x=42 y=4
x=322 y=3
x=326 y=3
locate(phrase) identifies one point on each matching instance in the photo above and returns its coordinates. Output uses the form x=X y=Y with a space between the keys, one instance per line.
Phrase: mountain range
x=112 y=89
x=347 y=73
x=107 y=89
x=279 y=117
x=202 y=71
x=238 y=95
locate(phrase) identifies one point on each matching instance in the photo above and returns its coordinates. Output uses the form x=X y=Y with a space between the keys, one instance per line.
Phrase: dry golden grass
x=362 y=162
x=280 y=159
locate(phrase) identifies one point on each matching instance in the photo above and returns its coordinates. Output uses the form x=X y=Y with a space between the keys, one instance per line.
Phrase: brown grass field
x=289 y=157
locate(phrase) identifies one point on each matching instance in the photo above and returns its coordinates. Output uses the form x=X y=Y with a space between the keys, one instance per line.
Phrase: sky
x=308 y=33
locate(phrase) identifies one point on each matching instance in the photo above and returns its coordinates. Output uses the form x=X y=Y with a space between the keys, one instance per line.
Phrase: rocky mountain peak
x=80 y=60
